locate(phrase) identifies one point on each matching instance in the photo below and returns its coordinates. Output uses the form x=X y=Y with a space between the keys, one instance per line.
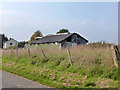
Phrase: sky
x=96 y=21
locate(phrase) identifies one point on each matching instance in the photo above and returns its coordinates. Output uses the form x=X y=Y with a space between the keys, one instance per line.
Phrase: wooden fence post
x=117 y=52
x=16 y=52
x=28 y=52
x=69 y=56
x=43 y=54
x=114 y=55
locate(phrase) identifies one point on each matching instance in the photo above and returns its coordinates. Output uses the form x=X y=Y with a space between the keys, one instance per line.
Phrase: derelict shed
x=65 y=40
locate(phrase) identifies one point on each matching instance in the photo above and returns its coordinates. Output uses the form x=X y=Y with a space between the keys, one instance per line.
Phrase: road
x=13 y=81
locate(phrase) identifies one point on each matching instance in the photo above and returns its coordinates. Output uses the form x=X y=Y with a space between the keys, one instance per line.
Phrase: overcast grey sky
x=93 y=20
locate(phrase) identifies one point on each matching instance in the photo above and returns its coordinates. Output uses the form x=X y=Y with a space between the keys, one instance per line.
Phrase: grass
x=92 y=67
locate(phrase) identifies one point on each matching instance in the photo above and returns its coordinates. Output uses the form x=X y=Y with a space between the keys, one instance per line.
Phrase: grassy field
x=92 y=67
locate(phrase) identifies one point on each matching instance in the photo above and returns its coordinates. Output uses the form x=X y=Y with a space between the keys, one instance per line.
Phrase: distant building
x=3 y=39
x=64 y=39
x=10 y=43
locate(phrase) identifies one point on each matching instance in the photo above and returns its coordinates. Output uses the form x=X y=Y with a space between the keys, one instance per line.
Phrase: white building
x=10 y=43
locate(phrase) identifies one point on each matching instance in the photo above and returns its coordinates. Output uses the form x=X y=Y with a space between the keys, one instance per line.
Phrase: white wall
x=10 y=43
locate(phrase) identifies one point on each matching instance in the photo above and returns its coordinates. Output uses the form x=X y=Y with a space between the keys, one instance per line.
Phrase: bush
x=100 y=44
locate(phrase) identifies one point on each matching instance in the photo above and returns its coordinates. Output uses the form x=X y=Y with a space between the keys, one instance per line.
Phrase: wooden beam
x=28 y=52
x=69 y=56
x=43 y=54
x=114 y=55
x=16 y=52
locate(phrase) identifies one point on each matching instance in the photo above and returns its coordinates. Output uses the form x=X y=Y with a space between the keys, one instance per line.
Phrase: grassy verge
x=92 y=67
x=59 y=74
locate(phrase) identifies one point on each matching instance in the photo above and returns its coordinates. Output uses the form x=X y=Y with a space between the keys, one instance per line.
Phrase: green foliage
x=22 y=43
x=91 y=67
x=96 y=71
x=90 y=83
x=33 y=62
x=43 y=46
x=57 y=73
x=36 y=34
x=63 y=31
x=100 y=44
x=113 y=74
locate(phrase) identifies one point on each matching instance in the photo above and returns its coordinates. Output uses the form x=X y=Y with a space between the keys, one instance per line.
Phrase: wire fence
x=79 y=54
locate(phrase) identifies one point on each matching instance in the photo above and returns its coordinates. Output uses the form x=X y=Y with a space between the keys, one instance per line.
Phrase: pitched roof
x=54 y=38
x=11 y=39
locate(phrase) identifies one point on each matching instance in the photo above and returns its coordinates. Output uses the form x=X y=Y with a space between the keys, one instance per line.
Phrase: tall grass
x=86 y=60
x=80 y=54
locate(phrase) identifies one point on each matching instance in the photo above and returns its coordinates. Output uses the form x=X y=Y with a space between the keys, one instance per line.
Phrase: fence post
x=69 y=56
x=43 y=54
x=28 y=52
x=117 y=52
x=114 y=55
x=16 y=52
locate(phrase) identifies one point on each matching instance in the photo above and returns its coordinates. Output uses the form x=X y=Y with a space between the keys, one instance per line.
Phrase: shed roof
x=54 y=38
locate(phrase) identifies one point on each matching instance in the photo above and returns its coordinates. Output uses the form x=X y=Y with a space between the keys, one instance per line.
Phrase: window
x=11 y=44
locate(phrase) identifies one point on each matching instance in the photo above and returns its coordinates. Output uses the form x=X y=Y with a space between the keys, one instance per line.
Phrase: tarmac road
x=13 y=81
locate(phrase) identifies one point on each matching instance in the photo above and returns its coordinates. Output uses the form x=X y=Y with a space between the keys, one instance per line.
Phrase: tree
x=22 y=44
x=36 y=34
x=63 y=31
